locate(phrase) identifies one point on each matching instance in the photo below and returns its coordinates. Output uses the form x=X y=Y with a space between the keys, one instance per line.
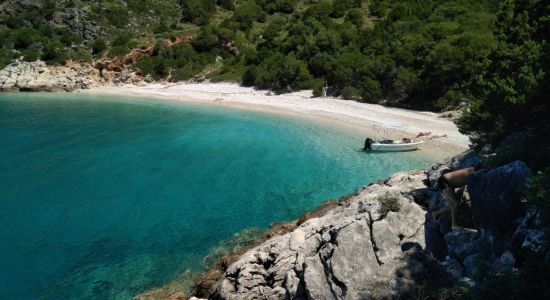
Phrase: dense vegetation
x=409 y=53
x=508 y=106
x=57 y=31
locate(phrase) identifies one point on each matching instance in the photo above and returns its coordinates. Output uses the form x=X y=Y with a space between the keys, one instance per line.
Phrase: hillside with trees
x=417 y=54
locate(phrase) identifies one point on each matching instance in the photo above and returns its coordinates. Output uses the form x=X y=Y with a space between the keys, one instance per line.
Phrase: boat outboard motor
x=368 y=142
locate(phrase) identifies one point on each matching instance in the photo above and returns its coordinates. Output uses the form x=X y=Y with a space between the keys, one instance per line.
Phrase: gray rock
x=76 y=19
x=435 y=172
x=423 y=197
x=462 y=243
x=529 y=236
x=36 y=76
x=435 y=240
x=495 y=196
x=353 y=252
x=473 y=264
x=504 y=263
x=454 y=268
x=467 y=159
x=464 y=160
x=487 y=149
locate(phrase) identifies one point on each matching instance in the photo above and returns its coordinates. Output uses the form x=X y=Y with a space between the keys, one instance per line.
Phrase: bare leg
x=452 y=202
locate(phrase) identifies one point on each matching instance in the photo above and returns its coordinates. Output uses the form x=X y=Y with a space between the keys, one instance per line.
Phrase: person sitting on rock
x=447 y=184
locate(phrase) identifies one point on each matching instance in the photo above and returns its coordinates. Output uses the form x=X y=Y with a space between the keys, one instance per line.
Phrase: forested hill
x=409 y=52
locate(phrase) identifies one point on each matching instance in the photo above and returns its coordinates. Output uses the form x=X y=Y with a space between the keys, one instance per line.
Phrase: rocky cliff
x=37 y=76
x=384 y=243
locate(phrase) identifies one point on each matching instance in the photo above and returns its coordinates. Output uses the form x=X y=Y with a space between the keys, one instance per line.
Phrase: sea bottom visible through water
x=104 y=197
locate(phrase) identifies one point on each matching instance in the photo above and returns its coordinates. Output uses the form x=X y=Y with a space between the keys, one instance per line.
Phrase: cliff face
x=384 y=243
x=355 y=251
x=37 y=76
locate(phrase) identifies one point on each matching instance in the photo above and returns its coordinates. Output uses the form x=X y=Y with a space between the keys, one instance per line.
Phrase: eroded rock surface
x=36 y=76
x=355 y=251
x=365 y=249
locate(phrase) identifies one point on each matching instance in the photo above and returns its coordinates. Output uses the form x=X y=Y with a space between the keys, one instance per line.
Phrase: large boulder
x=495 y=195
x=462 y=243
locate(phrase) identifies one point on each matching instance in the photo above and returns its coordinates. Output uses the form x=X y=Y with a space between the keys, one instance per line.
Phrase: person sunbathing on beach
x=425 y=133
x=436 y=136
x=446 y=185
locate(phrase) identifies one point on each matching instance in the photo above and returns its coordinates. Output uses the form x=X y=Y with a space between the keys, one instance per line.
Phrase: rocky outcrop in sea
x=37 y=76
x=383 y=242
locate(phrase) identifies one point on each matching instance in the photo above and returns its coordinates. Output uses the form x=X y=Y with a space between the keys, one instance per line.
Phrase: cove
x=104 y=197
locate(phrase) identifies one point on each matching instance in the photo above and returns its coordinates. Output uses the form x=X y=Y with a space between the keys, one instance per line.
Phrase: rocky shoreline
x=37 y=76
x=382 y=242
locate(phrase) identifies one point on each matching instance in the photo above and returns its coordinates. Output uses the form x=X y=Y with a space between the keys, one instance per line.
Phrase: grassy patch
x=388 y=203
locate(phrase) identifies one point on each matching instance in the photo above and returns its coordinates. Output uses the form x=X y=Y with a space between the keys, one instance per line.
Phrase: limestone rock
x=363 y=250
x=77 y=21
x=36 y=76
x=355 y=251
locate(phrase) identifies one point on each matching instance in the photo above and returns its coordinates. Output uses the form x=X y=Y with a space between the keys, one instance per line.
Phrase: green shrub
x=99 y=46
x=388 y=203
x=197 y=11
x=161 y=28
x=539 y=195
x=25 y=37
x=246 y=13
x=31 y=55
x=249 y=76
x=116 y=16
x=54 y=53
x=283 y=73
x=81 y=54
x=227 y=4
x=206 y=40
x=145 y=65
x=351 y=93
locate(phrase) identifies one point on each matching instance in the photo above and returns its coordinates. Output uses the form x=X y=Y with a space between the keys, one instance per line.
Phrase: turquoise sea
x=104 y=197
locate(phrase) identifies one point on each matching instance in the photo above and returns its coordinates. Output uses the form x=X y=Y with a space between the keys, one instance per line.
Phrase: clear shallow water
x=104 y=197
